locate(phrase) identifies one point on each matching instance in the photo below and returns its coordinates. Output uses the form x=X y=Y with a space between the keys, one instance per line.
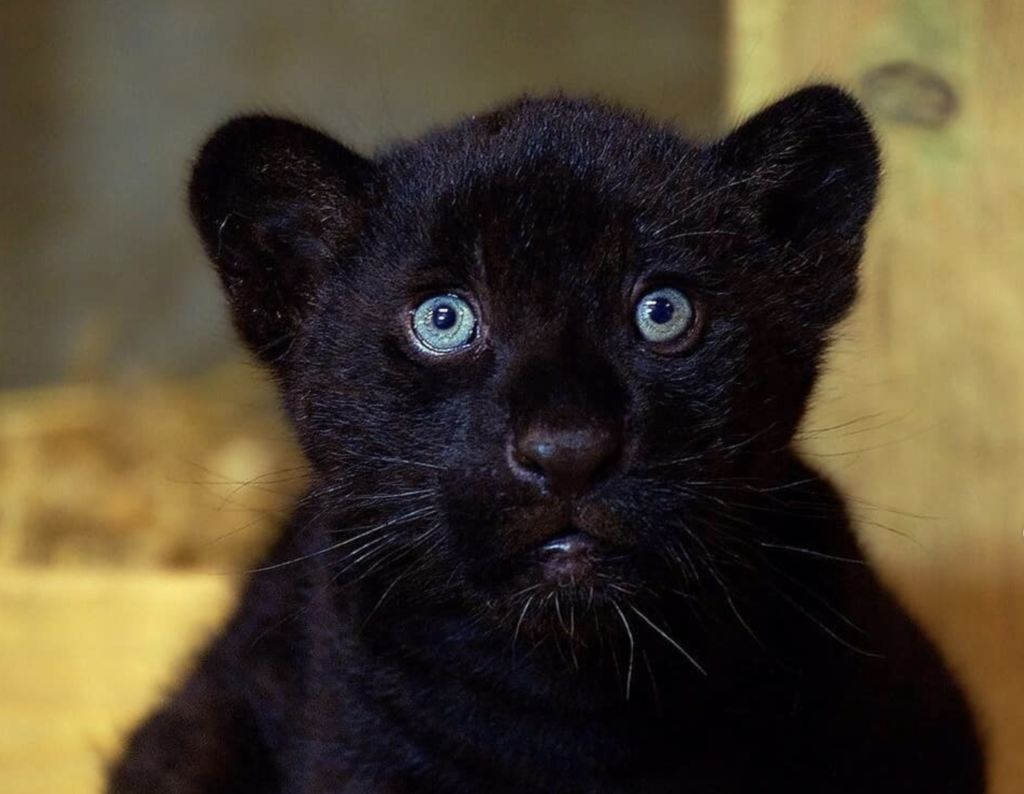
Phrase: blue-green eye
x=444 y=324
x=664 y=315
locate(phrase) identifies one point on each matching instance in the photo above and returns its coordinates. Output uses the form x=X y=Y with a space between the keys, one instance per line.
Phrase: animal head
x=526 y=354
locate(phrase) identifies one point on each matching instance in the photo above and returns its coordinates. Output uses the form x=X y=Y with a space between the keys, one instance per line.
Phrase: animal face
x=531 y=356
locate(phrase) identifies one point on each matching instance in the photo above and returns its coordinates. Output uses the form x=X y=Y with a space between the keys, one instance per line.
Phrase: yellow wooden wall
x=925 y=392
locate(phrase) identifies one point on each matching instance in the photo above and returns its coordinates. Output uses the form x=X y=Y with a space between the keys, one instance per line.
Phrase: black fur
x=718 y=632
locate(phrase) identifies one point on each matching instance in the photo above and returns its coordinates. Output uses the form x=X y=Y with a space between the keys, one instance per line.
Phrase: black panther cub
x=547 y=365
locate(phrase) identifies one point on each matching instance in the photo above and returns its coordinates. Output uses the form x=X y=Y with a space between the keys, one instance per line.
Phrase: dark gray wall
x=103 y=103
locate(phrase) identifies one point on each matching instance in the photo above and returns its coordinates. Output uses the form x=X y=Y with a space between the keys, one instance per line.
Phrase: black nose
x=569 y=461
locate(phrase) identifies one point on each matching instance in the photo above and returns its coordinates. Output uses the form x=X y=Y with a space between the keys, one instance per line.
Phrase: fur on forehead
x=563 y=171
x=611 y=148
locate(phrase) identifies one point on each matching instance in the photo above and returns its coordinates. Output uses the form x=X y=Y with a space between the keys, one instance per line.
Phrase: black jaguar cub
x=547 y=365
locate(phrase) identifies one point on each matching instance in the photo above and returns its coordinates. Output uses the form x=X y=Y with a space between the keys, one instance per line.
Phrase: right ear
x=276 y=204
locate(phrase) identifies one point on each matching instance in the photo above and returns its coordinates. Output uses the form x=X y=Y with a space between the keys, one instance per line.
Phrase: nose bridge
x=567 y=387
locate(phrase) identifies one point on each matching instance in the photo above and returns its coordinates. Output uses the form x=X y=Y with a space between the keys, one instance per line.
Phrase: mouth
x=569 y=558
x=578 y=555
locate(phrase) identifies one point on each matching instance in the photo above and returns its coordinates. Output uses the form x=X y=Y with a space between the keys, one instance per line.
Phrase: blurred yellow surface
x=83 y=654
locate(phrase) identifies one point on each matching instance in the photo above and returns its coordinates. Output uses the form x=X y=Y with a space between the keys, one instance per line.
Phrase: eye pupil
x=445 y=316
x=659 y=310
x=443 y=324
x=664 y=316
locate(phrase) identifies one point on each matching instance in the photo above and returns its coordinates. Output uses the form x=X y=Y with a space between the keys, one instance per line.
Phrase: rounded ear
x=276 y=203
x=807 y=170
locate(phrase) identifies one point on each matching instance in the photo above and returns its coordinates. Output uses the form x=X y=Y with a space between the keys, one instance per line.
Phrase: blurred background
x=143 y=461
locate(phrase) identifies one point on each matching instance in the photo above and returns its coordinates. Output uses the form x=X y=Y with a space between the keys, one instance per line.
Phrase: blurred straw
x=144 y=472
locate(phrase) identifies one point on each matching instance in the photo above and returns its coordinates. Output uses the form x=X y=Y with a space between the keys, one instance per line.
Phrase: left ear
x=276 y=204
x=807 y=170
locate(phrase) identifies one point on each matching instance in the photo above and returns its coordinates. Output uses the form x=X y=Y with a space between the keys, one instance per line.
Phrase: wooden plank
x=82 y=656
x=930 y=369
